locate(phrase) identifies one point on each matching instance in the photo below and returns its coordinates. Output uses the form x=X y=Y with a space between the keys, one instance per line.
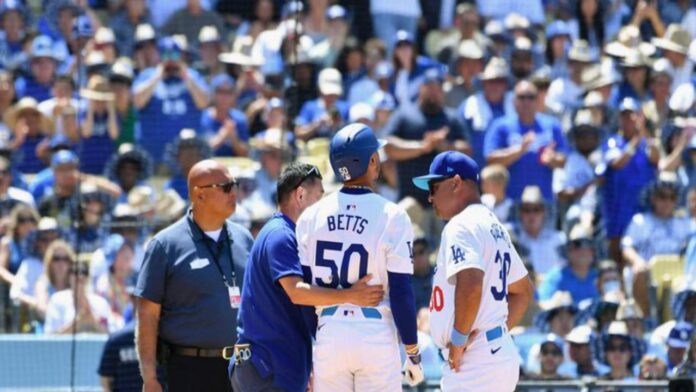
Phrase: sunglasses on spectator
x=311 y=173
x=581 y=243
x=666 y=195
x=532 y=209
x=26 y=219
x=432 y=184
x=553 y=352
x=225 y=186
x=79 y=271
x=621 y=347
x=528 y=97
x=61 y=258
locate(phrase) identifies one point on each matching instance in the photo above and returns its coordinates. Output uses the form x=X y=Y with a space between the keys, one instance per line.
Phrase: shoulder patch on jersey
x=498 y=233
x=458 y=254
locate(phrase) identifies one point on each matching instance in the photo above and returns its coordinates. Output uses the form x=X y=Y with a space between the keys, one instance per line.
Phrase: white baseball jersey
x=346 y=236
x=341 y=238
x=474 y=238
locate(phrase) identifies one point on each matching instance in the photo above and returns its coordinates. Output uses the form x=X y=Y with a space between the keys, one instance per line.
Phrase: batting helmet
x=351 y=149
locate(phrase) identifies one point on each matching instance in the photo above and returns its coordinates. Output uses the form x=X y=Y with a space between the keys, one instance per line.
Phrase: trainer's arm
x=146 y=338
x=403 y=305
x=520 y=293
x=467 y=298
x=301 y=293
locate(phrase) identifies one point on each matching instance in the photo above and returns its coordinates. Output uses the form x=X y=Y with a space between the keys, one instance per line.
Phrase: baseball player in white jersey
x=343 y=237
x=480 y=287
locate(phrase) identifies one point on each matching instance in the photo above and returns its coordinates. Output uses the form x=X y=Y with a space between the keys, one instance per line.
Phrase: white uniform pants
x=356 y=354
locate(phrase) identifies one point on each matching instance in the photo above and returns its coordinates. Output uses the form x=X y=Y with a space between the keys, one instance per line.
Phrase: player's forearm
x=467 y=298
x=403 y=305
x=146 y=337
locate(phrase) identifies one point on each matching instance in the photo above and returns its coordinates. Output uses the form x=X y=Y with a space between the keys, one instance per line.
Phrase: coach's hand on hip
x=364 y=294
x=456 y=352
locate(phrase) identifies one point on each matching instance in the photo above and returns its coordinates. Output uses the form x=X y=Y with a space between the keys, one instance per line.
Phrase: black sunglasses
x=313 y=172
x=622 y=347
x=61 y=258
x=26 y=219
x=555 y=353
x=225 y=186
x=581 y=243
x=432 y=184
x=529 y=97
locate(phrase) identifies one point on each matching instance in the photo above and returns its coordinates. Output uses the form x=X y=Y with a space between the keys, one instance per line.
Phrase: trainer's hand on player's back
x=152 y=385
x=366 y=295
x=456 y=352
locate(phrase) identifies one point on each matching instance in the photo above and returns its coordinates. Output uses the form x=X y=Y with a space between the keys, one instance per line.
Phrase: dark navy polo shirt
x=179 y=272
x=281 y=342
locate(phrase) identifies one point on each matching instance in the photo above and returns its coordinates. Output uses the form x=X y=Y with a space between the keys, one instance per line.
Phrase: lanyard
x=216 y=255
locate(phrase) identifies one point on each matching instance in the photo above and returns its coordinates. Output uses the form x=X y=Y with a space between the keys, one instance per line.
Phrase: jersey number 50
x=342 y=278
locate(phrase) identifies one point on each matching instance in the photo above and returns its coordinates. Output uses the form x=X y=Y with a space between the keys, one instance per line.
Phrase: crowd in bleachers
x=581 y=114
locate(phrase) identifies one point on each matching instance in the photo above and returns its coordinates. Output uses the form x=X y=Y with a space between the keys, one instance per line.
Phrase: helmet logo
x=344 y=172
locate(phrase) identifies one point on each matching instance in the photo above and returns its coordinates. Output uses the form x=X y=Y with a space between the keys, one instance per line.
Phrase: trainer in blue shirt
x=578 y=277
x=274 y=350
x=189 y=288
x=529 y=144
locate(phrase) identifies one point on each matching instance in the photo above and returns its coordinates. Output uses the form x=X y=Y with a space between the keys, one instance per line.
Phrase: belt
x=370 y=313
x=224 y=353
x=242 y=353
x=494 y=333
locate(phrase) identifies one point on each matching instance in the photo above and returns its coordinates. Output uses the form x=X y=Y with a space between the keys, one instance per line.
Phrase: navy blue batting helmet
x=351 y=149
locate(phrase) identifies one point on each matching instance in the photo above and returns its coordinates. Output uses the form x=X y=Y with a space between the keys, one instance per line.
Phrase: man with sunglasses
x=530 y=144
x=480 y=288
x=275 y=290
x=189 y=288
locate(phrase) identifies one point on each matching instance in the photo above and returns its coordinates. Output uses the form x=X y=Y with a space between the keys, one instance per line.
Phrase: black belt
x=224 y=353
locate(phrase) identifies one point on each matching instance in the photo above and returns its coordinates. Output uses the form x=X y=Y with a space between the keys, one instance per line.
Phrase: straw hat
x=98 y=89
x=627 y=39
x=169 y=206
x=469 y=49
x=26 y=105
x=142 y=199
x=634 y=58
x=104 y=35
x=580 y=52
x=271 y=139
x=496 y=68
x=676 y=39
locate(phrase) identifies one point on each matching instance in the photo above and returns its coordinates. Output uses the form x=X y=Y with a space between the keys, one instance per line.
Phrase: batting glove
x=413 y=370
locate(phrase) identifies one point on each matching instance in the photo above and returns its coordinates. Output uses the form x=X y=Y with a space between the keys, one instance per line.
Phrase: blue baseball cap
x=557 y=28
x=59 y=140
x=292 y=7
x=403 y=36
x=83 y=27
x=448 y=164
x=433 y=75
x=222 y=80
x=169 y=44
x=336 y=12
x=628 y=105
x=680 y=335
x=64 y=157
x=275 y=103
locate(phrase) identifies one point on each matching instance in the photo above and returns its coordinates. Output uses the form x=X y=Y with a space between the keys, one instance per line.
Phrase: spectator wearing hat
x=88 y=313
x=129 y=167
x=558 y=37
x=145 y=53
x=544 y=242
x=521 y=58
x=409 y=68
x=390 y=17
x=491 y=102
x=494 y=180
x=29 y=127
x=124 y=23
x=190 y=19
x=105 y=43
x=619 y=351
x=656 y=109
x=675 y=46
x=62 y=107
x=557 y=316
x=42 y=183
x=688 y=367
x=677 y=344
x=181 y=154
x=113 y=285
x=550 y=359
x=528 y=143
x=99 y=125
x=600 y=311
x=635 y=66
x=56 y=274
x=121 y=80
x=168 y=97
x=323 y=116
x=223 y=125
x=209 y=48
x=580 y=359
x=630 y=156
x=467 y=65
x=630 y=313
x=655 y=232
x=13 y=20
x=416 y=134
x=43 y=65
x=23 y=289
x=579 y=276
x=272 y=146
x=683 y=308
x=94 y=211
x=13 y=246
x=565 y=93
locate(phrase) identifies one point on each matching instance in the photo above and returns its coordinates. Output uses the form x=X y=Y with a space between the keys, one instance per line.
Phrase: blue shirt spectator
x=223 y=125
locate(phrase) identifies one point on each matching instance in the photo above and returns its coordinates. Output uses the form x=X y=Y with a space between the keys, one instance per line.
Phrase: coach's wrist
x=457 y=338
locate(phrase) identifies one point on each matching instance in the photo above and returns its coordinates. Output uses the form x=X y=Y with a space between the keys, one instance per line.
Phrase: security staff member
x=274 y=289
x=189 y=288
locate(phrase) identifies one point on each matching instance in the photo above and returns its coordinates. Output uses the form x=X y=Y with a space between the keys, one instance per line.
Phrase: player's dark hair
x=294 y=175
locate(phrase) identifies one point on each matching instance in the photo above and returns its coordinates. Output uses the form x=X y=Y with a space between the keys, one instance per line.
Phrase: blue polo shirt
x=312 y=110
x=210 y=127
x=281 y=342
x=179 y=272
x=509 y=131
x=97 y=149
x=28 y=87
x=563 y=279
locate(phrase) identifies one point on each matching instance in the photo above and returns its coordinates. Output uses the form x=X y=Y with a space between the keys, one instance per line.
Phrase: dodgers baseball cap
x=221 y=81
x=448 y=164
x=64 y=157
x=680 y=335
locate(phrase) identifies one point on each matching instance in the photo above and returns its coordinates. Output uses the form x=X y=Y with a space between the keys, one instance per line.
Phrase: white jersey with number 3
x=474 y=238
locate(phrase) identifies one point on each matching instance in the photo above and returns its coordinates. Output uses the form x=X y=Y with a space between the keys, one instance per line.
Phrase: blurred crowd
x=581 y=113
